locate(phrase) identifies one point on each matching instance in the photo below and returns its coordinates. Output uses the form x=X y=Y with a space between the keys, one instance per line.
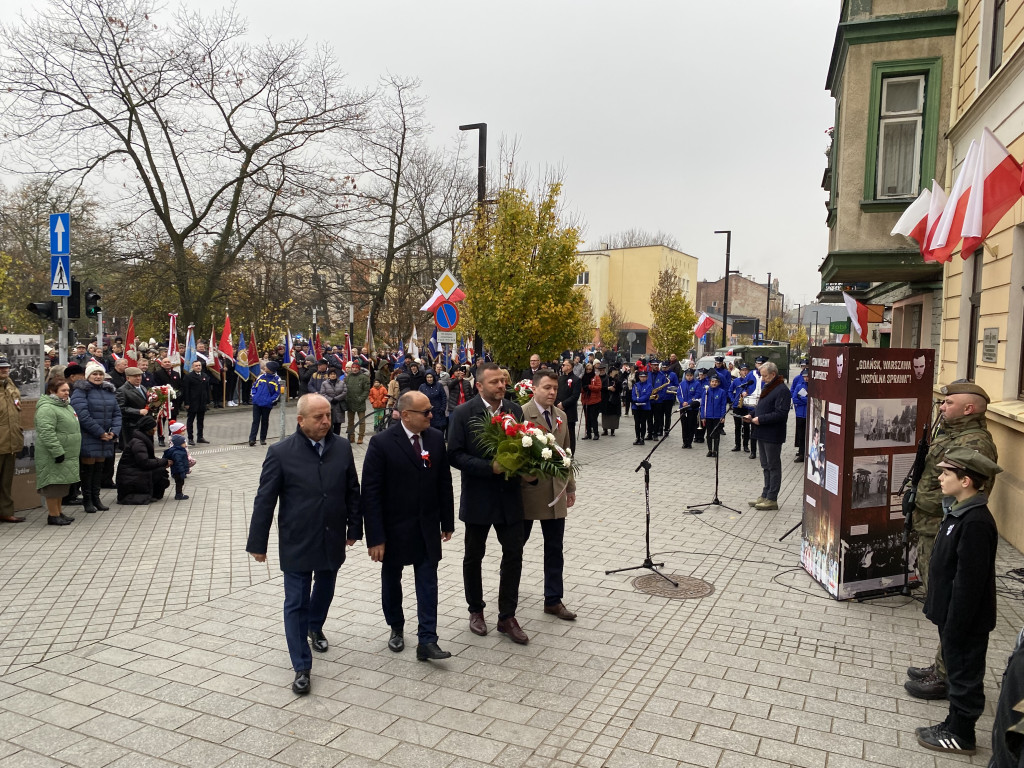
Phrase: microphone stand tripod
x=648 y=563
x=698 y=509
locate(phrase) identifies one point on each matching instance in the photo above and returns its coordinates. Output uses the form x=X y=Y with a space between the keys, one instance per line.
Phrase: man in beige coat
x=548 y=499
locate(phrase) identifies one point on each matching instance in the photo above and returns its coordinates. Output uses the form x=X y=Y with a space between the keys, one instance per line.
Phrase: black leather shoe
x=319 y=642
x=920 y=673
x=301 y=683
x=202 y=440
x=396 y=642
x=69 y=518
x=428 y=651
x=477 y=625
x=930 y=688
x=57 y=520
x=737 y=449
x=252 y=443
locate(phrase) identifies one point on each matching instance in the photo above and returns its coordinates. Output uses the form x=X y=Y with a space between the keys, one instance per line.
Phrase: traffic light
x=92 y=303
x=75 y=301
x=47 y=310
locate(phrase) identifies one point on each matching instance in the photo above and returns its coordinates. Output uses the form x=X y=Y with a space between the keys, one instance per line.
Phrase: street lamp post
x=725 y=296
x=768 y=307
x=815 y=325
x=481 y=188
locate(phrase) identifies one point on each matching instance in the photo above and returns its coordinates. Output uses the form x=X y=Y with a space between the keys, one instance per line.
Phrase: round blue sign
x=447 y=316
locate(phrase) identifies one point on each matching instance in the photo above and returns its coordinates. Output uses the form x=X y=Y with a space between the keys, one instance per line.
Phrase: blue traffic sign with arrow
x=60 y=233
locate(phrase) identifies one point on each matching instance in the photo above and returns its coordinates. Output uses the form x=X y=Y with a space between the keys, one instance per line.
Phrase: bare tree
x=413 y=196
x=191 y=132
x=633 y=238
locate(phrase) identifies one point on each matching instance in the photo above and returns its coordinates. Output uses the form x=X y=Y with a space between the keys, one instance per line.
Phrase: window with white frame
x=899 y=136
x=583 y=278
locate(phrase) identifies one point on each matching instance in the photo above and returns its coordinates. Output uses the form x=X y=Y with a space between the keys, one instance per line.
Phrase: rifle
x=917 y=470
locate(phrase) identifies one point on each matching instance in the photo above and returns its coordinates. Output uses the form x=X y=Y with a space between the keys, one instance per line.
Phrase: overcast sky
x=679 y=116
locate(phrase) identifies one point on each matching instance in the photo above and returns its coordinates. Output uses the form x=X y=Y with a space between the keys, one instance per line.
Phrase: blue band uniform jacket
x=407 y=501
x=318 y=499
x=538 y=495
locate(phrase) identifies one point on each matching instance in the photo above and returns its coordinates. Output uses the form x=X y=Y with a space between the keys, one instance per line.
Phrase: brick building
x=746 y=298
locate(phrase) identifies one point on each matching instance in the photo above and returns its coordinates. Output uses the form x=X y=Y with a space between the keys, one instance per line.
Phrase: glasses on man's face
x=425 y=413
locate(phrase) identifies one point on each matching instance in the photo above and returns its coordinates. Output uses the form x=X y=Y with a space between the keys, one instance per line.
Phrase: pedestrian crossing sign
x=60 y=275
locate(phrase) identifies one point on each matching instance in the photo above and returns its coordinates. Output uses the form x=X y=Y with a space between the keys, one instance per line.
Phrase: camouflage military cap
x=965 y=388
x=961 y=457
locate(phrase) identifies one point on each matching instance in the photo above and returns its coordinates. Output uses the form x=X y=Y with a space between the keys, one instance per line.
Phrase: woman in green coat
x=58 y=444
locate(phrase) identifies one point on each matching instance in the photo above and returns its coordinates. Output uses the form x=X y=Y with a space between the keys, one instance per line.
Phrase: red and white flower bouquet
x=523 y=448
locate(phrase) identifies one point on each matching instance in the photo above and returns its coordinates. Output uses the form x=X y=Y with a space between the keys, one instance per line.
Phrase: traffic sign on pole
x=60 y=275
x=447 y=283
x=60 y=233
x=446 y=317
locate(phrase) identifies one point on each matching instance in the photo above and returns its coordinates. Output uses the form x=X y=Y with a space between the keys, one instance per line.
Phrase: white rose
x=550 y=438
x=537 y=432
x=545 y=454
x=568 y=452
x=527 y=441
x=566 y=462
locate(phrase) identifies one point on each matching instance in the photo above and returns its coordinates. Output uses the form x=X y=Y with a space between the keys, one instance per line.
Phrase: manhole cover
x=689 y=588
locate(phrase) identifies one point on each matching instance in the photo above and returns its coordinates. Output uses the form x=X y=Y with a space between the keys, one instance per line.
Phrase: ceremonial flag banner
x=400 y=360
x=996 y=186
x=289 y=353
x=130 y=349
x=254 y=351
x=190 y=348
x=858 y=315
x=704 y=324
x=225 y=346
x=369 y=337
x=348 y=349
x=172 y=340
x=213 y=363
x=462 y=350
x=914 y=221
x=414 y=347
x=437 y=297
x=242 y=358
x=432 y=344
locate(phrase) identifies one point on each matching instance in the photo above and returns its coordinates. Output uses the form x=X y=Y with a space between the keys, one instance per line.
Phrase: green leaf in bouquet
x=510 y=457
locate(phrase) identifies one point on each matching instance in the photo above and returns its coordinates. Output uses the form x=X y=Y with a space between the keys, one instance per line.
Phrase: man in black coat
x=312 y=477
x=196 y=386
x=569 y=387
x=487 y=500
x=133 y=401
x=409 y=509
x=166 y=376
x=769 y=420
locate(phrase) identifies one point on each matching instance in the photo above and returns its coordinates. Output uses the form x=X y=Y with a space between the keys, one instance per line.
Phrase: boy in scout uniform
x=961 y=598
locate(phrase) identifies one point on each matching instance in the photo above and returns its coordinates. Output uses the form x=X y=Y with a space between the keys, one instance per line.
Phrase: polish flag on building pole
x=704 y=324
x=944 y=237
x=858 y=315
x=917 y=221
x=996 y=186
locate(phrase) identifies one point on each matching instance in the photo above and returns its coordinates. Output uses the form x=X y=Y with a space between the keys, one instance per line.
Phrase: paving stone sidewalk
x=145 y=636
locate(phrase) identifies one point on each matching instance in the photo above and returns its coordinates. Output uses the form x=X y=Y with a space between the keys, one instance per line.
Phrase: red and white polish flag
x=996 y=186
x=704 y=324
x=858 y=315
x=945 y=235
x=917 y=221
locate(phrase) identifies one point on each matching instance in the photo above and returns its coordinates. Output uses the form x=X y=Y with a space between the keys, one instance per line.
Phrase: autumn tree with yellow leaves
x=519 y=268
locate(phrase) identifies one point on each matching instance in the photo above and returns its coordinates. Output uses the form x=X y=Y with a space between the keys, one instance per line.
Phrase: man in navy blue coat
x=409 y=508
x=312 y=478
x=488 y=500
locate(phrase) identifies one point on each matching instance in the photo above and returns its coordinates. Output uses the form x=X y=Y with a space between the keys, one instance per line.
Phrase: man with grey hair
x=769 y=430
x=310 y=477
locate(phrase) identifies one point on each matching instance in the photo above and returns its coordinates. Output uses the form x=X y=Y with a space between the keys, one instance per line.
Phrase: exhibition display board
x=867 y=409
x=25 y=354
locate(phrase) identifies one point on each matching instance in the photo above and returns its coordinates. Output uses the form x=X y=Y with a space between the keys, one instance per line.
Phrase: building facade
x=626 y=277
x=891 y=76
x=983 y=300
x=747 y=298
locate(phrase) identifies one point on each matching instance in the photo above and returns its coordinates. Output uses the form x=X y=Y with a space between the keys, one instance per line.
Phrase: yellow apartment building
x=626 y=277
x=983 y=295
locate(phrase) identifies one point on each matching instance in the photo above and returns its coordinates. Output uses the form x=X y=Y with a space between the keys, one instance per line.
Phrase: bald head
x=414 y=410
x=955 y=406
x=314 y=416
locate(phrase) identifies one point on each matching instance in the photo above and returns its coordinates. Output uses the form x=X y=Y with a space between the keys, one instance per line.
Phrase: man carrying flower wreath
x=489 y=499
x=548 y=498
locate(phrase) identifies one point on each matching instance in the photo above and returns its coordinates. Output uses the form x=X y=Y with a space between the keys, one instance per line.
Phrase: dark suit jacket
x=319 y=503
x=568 y=395
x=487 y=498
x=406 y=505
x=131 y=402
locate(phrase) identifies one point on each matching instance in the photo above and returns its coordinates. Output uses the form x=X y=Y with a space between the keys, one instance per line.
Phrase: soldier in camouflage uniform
x=962 y=423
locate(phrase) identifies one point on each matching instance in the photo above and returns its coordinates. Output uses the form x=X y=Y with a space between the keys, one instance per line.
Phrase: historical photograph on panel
x=817 y=429
x=25 y=354
x=25 y=461
x=871 y=482
x=885 y=423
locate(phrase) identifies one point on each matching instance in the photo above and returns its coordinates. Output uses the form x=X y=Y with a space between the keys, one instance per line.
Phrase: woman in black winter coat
x=438 y=395
x=141 y=476
x=99 y=418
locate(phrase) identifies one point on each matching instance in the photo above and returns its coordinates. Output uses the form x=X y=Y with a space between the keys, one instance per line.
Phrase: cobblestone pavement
x=147 y=637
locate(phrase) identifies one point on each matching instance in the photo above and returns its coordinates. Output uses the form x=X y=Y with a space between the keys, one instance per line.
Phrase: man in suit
x=548 y=499
x=312 y=478
x=488 y=500
x=529 y=373
x=409 y=509
x=569 y=386
x=133 y=401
